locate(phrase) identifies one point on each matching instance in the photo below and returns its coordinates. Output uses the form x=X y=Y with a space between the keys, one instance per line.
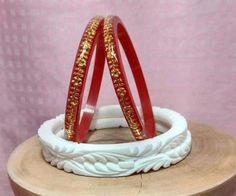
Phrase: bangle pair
x=105 y=34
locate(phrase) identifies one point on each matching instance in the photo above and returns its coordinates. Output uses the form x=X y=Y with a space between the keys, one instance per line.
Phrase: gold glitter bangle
x=74 y=129
x=113 y=31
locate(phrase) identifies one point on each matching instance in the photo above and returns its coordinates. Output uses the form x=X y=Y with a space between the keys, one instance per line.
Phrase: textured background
x=187 y=50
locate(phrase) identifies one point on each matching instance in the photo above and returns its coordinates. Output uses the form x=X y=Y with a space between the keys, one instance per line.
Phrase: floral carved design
x=113 y=159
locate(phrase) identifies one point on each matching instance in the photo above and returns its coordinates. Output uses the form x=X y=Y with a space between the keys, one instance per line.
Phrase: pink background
x=187 y=50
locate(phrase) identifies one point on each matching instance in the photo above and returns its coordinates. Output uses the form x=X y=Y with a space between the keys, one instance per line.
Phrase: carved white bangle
x=122 y=159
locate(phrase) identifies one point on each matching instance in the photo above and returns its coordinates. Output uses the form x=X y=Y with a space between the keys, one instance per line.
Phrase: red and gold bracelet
x=113 y=31
x=76 y=129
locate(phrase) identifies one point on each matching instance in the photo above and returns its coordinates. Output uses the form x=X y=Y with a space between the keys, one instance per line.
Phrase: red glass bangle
x=76 y=129
x=113 y=31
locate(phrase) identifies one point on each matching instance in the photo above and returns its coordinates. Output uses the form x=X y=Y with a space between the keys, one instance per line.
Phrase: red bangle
x=114 y=30
x=76 y=130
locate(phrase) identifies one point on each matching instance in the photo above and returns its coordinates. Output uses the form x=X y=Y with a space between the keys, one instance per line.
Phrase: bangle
x=113 y=31
x=76 y=130
x=122 y=159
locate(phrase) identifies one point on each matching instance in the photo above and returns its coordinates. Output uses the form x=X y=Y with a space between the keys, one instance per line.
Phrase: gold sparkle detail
x=118 y=83
x=77 y=78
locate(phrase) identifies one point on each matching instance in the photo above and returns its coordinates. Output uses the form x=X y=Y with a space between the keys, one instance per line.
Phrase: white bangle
x=122 y=159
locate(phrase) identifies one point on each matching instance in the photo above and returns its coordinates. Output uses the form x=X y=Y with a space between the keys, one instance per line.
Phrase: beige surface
x=210 y=169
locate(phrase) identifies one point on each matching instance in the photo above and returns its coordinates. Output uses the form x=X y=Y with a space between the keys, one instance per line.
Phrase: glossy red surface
x=77 y=125
x=80 y=125
x=119 y=33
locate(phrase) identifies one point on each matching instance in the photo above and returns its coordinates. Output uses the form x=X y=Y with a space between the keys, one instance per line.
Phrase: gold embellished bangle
x=76 y=130
x=113 y=31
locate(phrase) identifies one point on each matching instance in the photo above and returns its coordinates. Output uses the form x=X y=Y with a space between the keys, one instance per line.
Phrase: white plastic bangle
x=122 y=159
